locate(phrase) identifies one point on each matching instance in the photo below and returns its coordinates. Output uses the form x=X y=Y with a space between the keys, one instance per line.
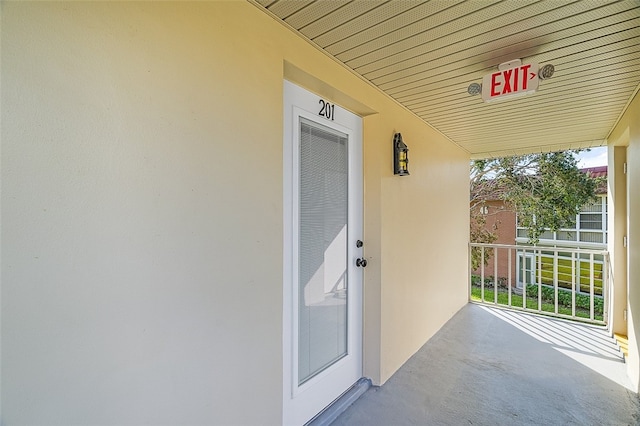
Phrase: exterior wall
x=627 y=133
x=617 y=225
x=142 y=214
x=502 y=220
x=423 y=238
x=139 y=286
x=501 y=217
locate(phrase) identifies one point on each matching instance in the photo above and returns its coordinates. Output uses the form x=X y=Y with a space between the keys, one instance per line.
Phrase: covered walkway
x=490 y=366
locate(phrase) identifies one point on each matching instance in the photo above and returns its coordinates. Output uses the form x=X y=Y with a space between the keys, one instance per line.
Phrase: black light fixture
x=400 y=156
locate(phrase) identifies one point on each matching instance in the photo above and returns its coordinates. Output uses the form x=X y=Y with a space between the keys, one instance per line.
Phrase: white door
x=526 y=267
x=322 y=340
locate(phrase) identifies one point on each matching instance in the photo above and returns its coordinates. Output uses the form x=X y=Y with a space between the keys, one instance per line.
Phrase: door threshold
x=340 y=405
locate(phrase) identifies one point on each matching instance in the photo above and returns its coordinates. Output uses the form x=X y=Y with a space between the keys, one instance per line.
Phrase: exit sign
x=510 y=82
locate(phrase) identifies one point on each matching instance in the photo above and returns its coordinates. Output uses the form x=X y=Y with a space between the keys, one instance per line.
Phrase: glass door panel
x=322 y=292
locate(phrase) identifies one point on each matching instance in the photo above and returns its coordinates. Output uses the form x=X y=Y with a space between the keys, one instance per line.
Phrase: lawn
x=532 y=302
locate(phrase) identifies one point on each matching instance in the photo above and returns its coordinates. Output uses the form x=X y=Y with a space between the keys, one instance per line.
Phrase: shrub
x=488 y=281
x=564 y=298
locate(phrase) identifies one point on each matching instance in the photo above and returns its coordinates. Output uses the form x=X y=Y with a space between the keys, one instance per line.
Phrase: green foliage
x=546 y=189
x=477 y=255
x=547 y=305
x=564 y=298
x=489 y=280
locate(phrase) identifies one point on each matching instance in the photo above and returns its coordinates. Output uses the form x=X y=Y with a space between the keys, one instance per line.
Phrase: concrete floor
x=489 y=366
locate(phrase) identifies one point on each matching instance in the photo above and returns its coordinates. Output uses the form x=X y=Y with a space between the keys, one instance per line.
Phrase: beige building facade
x=624 y=231
x=143 y=214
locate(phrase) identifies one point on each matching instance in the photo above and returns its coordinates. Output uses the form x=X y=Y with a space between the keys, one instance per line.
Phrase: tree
x=547 y=190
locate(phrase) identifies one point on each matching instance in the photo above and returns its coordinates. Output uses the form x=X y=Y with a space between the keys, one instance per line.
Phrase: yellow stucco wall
x=627 y=134
x=617 y=231
x=142 y=214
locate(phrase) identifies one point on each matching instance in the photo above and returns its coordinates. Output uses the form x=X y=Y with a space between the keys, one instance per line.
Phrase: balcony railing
x=561 y=282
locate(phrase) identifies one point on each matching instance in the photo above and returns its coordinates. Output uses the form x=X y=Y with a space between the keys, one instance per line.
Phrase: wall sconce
x=400 y=156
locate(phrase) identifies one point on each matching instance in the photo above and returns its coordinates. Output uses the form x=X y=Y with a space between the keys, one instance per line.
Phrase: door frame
x=521 y=262
x=302 y=402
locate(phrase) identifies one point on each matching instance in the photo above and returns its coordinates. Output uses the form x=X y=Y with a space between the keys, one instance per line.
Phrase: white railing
x=562 y=282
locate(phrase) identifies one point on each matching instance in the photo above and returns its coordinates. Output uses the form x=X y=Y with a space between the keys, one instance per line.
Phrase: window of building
x=590 y=226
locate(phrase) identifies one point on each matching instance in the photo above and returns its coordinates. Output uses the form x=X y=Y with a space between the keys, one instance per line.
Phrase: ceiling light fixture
x=474 y=89
x=546 y=72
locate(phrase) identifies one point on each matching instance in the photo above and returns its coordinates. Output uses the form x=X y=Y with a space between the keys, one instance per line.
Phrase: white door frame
x=302 y=402
x=521 y=261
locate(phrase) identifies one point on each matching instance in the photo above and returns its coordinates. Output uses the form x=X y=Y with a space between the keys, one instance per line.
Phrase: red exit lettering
x=511 y=81
x=508 y=81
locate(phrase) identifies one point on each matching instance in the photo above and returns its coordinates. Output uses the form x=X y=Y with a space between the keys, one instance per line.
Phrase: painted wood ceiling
x=425 y=54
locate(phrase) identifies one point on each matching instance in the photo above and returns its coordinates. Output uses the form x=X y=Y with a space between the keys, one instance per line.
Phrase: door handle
x=361 y=263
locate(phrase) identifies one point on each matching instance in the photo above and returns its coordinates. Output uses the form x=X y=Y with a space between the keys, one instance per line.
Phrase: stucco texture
x=142 y=209
x=627 y=134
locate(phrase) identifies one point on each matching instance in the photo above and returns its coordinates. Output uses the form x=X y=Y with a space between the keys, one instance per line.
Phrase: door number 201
x=327 y=110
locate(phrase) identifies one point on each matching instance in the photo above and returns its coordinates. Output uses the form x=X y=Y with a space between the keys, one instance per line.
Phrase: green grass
x=532 y=302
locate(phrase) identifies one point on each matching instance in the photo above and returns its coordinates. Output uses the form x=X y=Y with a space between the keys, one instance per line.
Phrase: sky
x=595 y=157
